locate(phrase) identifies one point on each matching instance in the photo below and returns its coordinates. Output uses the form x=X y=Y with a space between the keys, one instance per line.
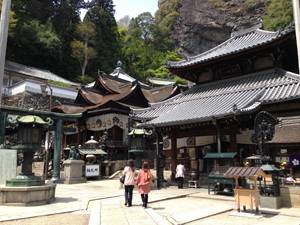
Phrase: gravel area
x=75 y=218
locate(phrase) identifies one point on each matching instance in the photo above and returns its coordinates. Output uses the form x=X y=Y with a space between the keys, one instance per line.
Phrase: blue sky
x=133 y=8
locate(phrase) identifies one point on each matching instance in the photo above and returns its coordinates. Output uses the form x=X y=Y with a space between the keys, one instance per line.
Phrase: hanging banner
x=294 y=161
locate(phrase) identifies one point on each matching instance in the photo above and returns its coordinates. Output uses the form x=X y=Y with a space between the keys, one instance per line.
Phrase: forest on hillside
x=49 y=34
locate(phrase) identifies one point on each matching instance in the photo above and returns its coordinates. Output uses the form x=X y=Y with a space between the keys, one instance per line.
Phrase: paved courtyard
x=102 y=202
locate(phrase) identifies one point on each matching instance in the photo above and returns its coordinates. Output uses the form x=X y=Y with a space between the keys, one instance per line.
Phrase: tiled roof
x=216 y=99
x=287 y=131
x=34 y=72
x=244 y=172
x=240 y=41
x=120 y=73
x=161 y=81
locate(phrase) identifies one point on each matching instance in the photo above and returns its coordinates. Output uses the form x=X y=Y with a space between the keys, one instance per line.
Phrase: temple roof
x=108 y=88
x=287 y=131
x=35 y=72
x=222 y=99
x=239 y=42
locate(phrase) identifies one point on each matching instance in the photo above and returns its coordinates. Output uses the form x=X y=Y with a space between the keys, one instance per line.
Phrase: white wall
x=34 y=87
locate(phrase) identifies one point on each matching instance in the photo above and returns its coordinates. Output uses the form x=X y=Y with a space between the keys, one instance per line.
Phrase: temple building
x=253 y=71
x=106 y=104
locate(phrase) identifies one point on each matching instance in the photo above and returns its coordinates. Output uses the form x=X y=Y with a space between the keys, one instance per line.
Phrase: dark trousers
x=144 y=199
x=180 y=182
x=128 y=194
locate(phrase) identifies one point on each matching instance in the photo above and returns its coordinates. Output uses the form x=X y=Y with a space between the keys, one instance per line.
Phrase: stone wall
x=290 y=196
x=28 y=100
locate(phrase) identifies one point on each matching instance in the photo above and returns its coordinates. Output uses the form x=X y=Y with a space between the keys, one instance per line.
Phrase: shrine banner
x=294 y=161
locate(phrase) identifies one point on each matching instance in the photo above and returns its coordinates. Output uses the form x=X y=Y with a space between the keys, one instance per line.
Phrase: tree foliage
x=80 y=49
x=38 y=45
x=280 y=14
x=105 y=41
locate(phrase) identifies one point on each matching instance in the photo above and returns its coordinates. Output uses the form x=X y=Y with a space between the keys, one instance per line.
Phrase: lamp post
x=44 y=94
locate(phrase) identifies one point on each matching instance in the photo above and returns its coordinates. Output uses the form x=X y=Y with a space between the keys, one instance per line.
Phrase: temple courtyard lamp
x=138 y=143
x=26 y=189
x=28 y=142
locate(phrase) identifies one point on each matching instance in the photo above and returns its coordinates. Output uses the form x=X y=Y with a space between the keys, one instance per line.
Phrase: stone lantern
x=138 y=144
x=28 y=141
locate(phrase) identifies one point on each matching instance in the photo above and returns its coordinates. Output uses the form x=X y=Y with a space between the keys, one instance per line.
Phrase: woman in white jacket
x=129 y=172
x=180 y=175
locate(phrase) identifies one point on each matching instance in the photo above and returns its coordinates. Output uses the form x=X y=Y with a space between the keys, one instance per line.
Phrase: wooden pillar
x=173 y=154
x=215 y=123
x=158 y=150
x=233 y=142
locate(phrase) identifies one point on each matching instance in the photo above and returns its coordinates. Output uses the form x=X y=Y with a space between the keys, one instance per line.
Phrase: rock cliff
x=203 y=24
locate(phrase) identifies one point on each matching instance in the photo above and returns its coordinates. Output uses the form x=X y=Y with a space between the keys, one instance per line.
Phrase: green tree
x=38 y=45
x=280 y=13
x=80 y=49
x=141 y=26
x=125 y=21
x=105 y=41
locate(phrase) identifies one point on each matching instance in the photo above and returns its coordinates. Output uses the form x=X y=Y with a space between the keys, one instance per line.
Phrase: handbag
x=150 y=176
x=122 y=179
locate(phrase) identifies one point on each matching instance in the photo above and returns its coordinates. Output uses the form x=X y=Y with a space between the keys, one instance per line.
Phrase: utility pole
x=297 y=27
x=3 y=38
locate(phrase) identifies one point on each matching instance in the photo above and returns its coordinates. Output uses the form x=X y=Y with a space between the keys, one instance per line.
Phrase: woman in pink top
x=129 y=172
x=143 y=183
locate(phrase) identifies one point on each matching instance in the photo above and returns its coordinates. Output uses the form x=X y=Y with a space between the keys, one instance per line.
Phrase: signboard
x=283 y=151
x=8 y=164
x=92 y=170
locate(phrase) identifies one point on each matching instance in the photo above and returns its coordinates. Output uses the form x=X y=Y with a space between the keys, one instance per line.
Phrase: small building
x=106 y=104
x=253 y=71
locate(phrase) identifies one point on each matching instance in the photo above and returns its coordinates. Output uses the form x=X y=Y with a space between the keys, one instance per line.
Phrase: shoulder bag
x=150 y=176
x=122 y=179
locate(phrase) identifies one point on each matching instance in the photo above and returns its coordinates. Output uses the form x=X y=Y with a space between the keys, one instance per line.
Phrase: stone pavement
x=105 y=199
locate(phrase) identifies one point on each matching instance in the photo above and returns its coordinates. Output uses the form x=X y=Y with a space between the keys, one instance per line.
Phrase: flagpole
x=3 y=38
x=297 y=27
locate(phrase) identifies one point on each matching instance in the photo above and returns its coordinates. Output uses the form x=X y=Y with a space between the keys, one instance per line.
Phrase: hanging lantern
x=93 y=125
x=121 y=124
x=103 y=124
x=88 y=126
x=98 y=124
x=108 y=122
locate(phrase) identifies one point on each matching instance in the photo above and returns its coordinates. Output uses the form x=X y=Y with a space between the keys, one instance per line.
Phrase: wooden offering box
x=245 y=196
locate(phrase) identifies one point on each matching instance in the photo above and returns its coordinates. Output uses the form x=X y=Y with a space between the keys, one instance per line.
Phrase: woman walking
x=143 y=182
x=129 y=172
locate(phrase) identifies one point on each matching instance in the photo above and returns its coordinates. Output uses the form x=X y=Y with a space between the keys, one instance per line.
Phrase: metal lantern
x=138 y=143
x=28 y=141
